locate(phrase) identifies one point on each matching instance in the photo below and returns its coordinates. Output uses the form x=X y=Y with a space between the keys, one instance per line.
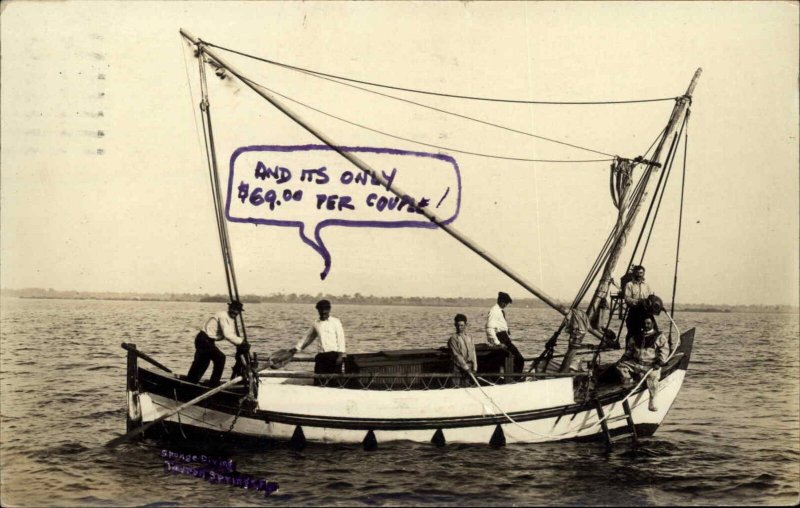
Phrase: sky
x=104 y=186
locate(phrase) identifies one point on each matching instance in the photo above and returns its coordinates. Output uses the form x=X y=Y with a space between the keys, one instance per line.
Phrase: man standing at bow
x=330 y=333
x=645 y=355
x=497 y=332
x=635 y=293
x=221 y=325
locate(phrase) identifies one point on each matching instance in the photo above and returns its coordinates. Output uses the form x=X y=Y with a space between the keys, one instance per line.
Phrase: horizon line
x=527 y=298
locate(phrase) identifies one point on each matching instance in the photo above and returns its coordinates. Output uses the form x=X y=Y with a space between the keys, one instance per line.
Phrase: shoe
x=652 y=406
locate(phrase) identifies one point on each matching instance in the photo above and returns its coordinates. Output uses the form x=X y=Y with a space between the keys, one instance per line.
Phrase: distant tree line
x=347 y=299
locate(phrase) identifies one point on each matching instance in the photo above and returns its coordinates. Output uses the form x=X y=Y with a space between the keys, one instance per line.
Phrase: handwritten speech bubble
x=311 y=187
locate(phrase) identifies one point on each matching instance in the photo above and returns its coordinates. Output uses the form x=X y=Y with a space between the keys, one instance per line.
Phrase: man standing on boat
x=462 y=350
x=645 y=355
x=636 y=291
x=497 y=332
x=221 y=325
x=330 y=333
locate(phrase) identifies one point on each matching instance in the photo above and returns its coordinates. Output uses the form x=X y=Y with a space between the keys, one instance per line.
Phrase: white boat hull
x=533 y=411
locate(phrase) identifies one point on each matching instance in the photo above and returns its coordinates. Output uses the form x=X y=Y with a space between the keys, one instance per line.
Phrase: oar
x=125 y=437
x=121 y=439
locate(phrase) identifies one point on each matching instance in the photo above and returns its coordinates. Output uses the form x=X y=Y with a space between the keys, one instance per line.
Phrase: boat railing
x=410 y=381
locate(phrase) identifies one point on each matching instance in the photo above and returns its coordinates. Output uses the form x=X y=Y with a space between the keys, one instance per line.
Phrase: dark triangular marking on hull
x=370 y=443
x=498 y=438
x=438 y=438
x=298 y=441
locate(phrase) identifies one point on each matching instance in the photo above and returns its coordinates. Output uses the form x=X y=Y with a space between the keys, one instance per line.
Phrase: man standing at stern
x=221 y=325
x=497 y=332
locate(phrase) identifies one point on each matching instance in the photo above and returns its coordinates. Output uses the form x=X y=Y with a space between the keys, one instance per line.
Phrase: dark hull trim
x=177 y=434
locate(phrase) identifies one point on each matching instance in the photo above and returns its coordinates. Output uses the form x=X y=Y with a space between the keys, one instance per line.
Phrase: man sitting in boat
x=497 y=332
x=462 y=350
x=645 y=355
x=220 y=326
x=330 y=333
x=635 y=292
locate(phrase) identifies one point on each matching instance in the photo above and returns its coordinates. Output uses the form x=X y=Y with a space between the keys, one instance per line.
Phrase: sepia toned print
x=277 y=209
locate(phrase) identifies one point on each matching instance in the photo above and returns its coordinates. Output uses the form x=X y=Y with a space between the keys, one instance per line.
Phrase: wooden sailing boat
x=408 y=395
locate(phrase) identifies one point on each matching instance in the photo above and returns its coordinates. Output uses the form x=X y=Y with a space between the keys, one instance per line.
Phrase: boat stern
x=134 y=409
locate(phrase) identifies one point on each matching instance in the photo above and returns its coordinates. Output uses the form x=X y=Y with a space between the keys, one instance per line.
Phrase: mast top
x=690 y=90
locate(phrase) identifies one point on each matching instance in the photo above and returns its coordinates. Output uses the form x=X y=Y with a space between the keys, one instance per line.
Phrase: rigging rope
x=211 y=172
x=425 y=92
x=191 y=94
x=663 y=178
x=439 y=147
x=439 y=110
x=664 y=187
x=660 y=189
x=680 y=219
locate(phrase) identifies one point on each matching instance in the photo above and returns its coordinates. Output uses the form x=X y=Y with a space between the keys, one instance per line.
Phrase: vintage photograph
x=352 y=253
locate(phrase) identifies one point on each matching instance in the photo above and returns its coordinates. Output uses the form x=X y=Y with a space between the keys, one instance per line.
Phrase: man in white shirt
x=221 y=325
x=497 y=332
x=331 y=345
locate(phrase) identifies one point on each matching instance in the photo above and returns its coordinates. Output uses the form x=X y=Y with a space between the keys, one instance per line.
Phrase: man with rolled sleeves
x=220 y=326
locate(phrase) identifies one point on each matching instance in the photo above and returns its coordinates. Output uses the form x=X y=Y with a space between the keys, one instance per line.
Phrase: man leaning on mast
x=635 y=292
x=330 y=333
x=221 y=325
x=497 y=332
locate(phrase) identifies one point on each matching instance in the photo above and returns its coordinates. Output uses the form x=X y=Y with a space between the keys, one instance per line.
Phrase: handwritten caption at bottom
x=214 y=470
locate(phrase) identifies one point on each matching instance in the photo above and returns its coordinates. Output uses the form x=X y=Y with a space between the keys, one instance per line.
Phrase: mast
x=675 y=119
x=216 y=194
x=366 y=168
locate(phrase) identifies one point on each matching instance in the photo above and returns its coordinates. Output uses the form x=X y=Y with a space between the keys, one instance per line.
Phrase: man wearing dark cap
x=330 y=333
x=497 y=332
x=221 y=325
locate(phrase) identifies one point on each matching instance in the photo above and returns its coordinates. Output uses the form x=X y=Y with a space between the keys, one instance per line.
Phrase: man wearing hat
x=497 y=332
x=330 y=333
x=221 y=325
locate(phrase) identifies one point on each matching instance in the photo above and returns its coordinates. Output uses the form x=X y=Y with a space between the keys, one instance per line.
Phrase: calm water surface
x=732 y=437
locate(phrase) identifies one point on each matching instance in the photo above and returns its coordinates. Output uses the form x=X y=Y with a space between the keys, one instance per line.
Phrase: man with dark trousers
x=221 y=325
x=497 y=332
x=328 y=332
x=635 y=293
